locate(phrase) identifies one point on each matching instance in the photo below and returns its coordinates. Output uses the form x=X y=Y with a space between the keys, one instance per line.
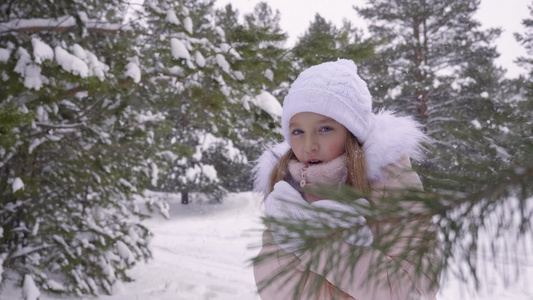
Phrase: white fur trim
x=392 y=138
x=264 y=166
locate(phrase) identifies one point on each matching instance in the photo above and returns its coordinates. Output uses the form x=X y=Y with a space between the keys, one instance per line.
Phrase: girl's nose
x=311 y=144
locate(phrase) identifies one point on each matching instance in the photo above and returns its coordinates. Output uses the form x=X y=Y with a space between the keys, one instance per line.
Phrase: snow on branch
x=64 y=23
x=60 y=126
x=179 y=49
x=29 y=289
x=208 y=142
x=266 y=102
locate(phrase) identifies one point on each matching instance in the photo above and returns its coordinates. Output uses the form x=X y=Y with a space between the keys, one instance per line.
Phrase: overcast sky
x=297 y=14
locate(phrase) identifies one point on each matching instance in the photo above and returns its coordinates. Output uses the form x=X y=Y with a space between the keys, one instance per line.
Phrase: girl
x=333 y=138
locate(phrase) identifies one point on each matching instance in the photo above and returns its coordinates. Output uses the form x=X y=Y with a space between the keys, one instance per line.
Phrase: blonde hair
x=354 y=158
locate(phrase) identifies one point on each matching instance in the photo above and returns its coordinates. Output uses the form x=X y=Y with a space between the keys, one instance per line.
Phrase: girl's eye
x=326 y=129
x=297 y=132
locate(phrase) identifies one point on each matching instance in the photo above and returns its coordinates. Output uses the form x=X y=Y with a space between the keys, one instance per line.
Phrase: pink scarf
x=332 y=173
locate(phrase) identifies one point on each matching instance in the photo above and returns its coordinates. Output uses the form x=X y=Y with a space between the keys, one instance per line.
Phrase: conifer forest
x=102 y=101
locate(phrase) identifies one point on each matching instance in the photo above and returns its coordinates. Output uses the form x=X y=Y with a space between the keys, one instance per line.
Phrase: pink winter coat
x=314 y=285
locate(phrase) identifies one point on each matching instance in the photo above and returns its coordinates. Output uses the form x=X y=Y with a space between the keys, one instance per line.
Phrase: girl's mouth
x=314 y=162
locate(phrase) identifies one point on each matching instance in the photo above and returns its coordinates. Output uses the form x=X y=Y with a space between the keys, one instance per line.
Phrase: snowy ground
x=203 y=251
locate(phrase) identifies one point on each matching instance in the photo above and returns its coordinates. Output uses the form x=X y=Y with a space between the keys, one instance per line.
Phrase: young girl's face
x=316 y=138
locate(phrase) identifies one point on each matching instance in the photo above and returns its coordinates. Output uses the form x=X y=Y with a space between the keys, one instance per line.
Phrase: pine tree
x=260 y=41
x=199 y=80
x=266 y=68
x=184 y=81
x=524 y=107
x=438 y=65
x=323 y=42
x=73 y=146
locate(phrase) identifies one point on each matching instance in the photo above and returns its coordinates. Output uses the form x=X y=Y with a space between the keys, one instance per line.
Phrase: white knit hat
x=335 y=90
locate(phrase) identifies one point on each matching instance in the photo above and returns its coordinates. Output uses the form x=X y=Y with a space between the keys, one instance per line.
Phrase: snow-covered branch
x=62 y=24
x=59 y=126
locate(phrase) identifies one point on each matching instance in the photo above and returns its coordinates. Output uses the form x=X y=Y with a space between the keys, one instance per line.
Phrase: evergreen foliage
x=523 y=89
x=323 y=42
x=104 y=99
x=69 y=147
x=206 y=96
x=101 y=100
x=439 y=66
x=266 y=69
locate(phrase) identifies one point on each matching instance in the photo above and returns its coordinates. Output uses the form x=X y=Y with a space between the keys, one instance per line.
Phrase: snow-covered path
x=201 y=252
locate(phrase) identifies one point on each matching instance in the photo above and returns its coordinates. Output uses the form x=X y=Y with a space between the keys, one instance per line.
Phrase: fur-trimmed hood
x=391 y=138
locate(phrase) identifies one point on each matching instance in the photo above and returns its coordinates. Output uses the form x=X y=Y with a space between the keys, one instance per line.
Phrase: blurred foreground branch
x=424 y=233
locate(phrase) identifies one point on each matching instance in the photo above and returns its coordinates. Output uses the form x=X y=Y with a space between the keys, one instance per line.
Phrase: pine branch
x=63 y=24
x=406 y=236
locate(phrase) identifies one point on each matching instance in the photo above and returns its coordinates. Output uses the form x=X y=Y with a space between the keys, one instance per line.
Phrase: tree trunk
x=184 y=197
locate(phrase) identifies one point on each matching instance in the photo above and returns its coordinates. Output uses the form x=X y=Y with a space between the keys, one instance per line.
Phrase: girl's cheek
x=296 y=151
